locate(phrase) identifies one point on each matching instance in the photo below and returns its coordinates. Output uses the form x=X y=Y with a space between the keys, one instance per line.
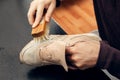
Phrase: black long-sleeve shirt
x=108 y=19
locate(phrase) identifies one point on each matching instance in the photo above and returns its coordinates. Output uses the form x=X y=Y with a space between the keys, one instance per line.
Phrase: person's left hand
x=82 y=55
x=36 y=11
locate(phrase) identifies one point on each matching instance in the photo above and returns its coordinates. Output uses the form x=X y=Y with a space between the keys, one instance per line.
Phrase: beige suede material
x=52 y=50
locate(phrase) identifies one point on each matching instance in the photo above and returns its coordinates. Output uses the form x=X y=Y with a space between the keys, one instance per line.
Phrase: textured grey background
x=15 y=34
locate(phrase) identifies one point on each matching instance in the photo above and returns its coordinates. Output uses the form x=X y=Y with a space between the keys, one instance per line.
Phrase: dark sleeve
x=109 y=58
x=58 y=2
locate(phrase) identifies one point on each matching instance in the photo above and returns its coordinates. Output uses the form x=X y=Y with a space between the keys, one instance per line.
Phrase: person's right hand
x=35 y=12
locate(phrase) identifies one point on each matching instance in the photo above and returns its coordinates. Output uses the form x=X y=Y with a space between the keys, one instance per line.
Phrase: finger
x=39 y=14
x=31 y=13
x=72 y=68
x=50 y=11
x=70 y=61
x=69 y=50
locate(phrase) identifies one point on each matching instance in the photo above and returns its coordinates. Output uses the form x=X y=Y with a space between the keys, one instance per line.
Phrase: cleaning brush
x=41 y=31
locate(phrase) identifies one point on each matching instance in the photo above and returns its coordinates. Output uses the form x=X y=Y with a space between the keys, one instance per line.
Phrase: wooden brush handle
x=38 y=30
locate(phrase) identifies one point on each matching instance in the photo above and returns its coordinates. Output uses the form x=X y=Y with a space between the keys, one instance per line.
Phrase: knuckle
x=48 y=15
x=32 y=3
x=28 y=15
x=41 y=1
x=73 y=58
x=77 y=65
x=81 y=66
x=71 y=50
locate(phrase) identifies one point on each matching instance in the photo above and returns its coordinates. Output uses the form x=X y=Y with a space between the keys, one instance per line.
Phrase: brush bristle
x=42 y=36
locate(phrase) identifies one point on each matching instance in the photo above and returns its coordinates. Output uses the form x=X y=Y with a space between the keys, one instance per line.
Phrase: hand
x=82 y=55
x=37 y=7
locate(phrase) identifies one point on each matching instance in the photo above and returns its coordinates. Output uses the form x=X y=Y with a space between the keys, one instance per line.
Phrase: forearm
x=109 y=58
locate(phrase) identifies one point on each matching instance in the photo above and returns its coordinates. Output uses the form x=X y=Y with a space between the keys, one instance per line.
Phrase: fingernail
x=33 y=25
x=47 y=19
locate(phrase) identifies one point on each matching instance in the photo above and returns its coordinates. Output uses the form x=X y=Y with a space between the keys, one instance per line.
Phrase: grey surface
x=14 y=35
